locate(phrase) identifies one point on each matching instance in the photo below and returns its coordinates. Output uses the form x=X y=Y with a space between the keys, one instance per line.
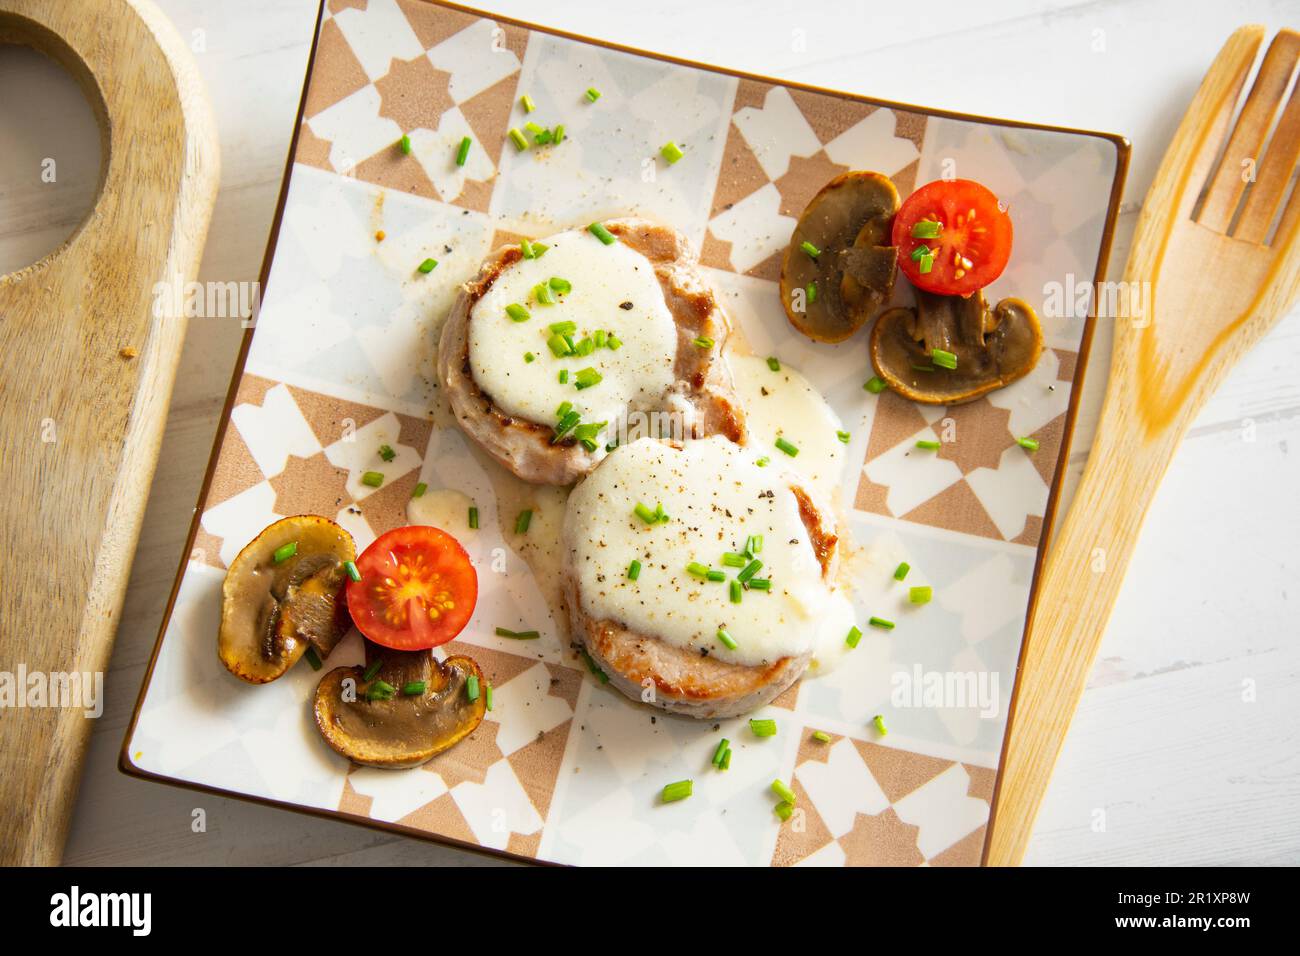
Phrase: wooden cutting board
x=85 y=381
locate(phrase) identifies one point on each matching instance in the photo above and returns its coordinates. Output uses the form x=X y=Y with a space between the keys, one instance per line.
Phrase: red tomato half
x=973 y=242
x=417 y=589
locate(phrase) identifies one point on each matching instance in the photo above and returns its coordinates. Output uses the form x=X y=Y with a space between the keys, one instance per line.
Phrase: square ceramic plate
x=565 y=769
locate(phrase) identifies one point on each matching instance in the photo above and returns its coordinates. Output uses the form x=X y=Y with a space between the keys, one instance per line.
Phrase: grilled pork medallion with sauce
x=698 y=580
x=562 y=347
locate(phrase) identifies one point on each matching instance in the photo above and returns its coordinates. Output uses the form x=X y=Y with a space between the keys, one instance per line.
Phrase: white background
x=1164 y=750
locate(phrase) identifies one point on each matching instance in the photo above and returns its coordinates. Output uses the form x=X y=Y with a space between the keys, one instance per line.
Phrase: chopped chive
x=920 y=595
x=698 y=570
x=875 y=385
x=562 y=286
x=586 y=378
x=725 y=764
x=600 y=337
x=900 y=572
x=542 y=293
x=926 y=229
x=557 y=134
x=373 y=478
x=722 y=748
x=598 y=230
x=880 y=622
x=733 y=560
x=517 y=312
x=594 y=668
x=473 y=518
x=586 y=346
x=650 y=517
x=381 y=690
x=879 y=721
x=404 y=144
x=285 y=552
x=785 y=446
x=812 y=251
x=565 y=425
x=527 y=103
x=517 y=138
x=526 y=249
x=529 y=358
x=774 y=363
x=727 y=640
x=703 y=342
x=563 y=409
x=854 y=635
x=521 y=523
x=843 y=436
x=615 y=342
x=750 y=570
x=671 y=152
x=563 y=328
x=427 y=266
x=313 y=658
x=763 y=462
x=928 y=444
x=419 y=490
x=351 y=568
x=927 y=263
x=920 y=252
x=759 y=584
x=588 y=431
x=784 y=792
x=414 y=687
x=517 y=635
x=754 y=544
x=737 y=591
x=462 y=153
x=784 y=810
x=682 y=788
x=762 y=728
x=810 y=292
x=487 y=696
x=471 y=687
x=1029 y=444
x=558 y=345
x=634 y=570
x=821 y=736
x=717 y=577
x=372 y=669
x=386 y=452
x=592 y=94
x=536 y=130
x=943 y=359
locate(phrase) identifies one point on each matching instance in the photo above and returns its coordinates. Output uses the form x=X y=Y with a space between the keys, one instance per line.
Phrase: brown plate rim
x=1122 y=154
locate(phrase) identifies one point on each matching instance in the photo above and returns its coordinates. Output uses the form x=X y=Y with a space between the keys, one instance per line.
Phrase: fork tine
x=1288 y=220
x=1225 y=189
x=1272 y=176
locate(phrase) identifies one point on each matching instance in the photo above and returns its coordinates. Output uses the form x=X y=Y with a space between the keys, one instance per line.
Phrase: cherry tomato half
x=417 y=589
x=966 y=238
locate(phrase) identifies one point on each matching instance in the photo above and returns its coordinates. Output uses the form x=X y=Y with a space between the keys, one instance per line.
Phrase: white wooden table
x=1187 y=746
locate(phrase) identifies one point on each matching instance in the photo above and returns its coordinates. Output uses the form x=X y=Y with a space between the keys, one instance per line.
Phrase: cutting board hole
x=50 y=156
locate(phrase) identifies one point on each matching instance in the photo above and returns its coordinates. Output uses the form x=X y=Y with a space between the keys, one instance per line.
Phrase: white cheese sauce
x=614 y=291
x=785 y=404
x=715 y=496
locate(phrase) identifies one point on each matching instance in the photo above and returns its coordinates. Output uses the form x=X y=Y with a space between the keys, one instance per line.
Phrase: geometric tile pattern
x=563 y=768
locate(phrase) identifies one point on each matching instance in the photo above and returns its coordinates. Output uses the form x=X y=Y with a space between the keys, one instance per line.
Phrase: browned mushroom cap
x=271 y=610
x=993 y=348
x=379 y=724
x=849 y=223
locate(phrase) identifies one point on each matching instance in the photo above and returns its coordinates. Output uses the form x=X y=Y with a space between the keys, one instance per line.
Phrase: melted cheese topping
x=715 y=497
x=604 y=280
x=785 y=403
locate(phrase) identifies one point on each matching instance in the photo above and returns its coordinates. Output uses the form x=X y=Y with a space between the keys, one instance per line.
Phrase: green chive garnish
x=487 y=696
x=414 y=687
x=529 y=358
x=542 y=293
x=386 y=452
x=754 y=544
x=737 y=591
x=592 y=94
x=751 y=569
x=650 y=517
x=526 y=249
x=879 y=721
x=473 y=518
x=471 y=687
x=427 y=266
x=313 y=658
x=928 y=444
x=920 y=252
x=725 y=763
x=381 y=690
x=927 y=263
x=682 y=788
x=557 y=134
x=875 y=385
x=943 y=359
x=733 y=560
x=810 y=292
x=1029 y=444
x=703 y=342
x=854 y=635
x=373 y=478
x=920 y=595
x=786 y=447
x=517 y=635
x=880 y=622
x=843 y=436
x=900 y=572
x=821 y=736
x=558 y=345
x=926 y=229
x=527 y=103
x=784 y=810
x=592 y=666
x=518 y=139
x=774 y=363
x=723 y=745
x=351 y=568
x=285 y=552
x=598 y=230
x=562 y=376
x=522 y=522
x=763 y=728
x=634 y=570
x=671 y=152
x=586 y=378
x=517 y=312
x=784 y=792
x=462 y=153
x=562 y=286
x=565 y=425
x=563 y=409
x=763 y=462
x=759 y=584
x=717 y=577
x=727 y=640
x=404 y=144
x=369 y=673
x=812 y=251
x=698 y=570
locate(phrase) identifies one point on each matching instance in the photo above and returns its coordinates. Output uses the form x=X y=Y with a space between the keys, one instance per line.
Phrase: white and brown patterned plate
x=564 y=769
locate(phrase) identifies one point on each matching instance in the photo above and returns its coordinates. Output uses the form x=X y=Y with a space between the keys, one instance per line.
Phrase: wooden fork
x=1220 y=275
